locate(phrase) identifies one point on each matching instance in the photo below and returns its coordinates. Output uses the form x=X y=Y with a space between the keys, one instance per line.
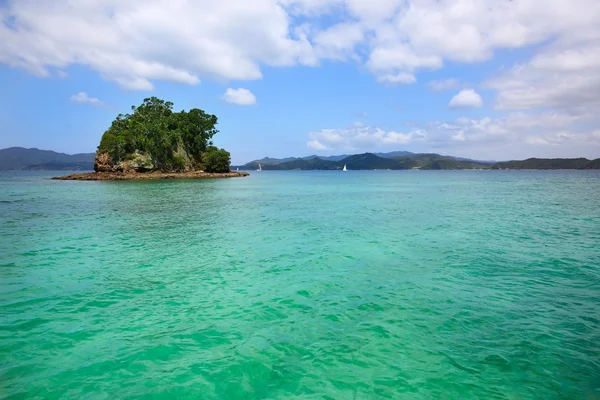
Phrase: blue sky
x=474 y=78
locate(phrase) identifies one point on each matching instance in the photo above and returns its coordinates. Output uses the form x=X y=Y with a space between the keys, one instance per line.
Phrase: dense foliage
x=173 y=140
x=216 y=160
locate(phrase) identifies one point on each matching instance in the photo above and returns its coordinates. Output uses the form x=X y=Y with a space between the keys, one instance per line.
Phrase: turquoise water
x=302 y=285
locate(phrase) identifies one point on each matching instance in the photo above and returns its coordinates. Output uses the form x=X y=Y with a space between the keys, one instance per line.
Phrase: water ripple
x=302 y=285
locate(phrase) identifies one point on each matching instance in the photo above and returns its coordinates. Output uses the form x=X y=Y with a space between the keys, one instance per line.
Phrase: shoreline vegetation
x=154 y=142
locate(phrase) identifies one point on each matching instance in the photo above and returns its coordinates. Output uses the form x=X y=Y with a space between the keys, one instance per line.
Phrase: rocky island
x=153 y=142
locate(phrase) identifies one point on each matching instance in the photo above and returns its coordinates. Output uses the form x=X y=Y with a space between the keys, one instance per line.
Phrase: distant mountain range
x=367 y=161
x=269 y=160
x=399 y=160
x=19 y=158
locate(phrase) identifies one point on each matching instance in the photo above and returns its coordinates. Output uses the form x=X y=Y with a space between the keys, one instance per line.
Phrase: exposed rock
x=139 y=162
x=102 y=163
x=136 y=162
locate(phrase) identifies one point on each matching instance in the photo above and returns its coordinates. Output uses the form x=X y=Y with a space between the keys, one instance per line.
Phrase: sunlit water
x=324 y=285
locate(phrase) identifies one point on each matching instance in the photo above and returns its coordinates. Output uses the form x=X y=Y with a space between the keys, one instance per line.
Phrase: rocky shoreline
x=142 y=176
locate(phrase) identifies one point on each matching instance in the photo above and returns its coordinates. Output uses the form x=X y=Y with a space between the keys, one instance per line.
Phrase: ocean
x=302 y=285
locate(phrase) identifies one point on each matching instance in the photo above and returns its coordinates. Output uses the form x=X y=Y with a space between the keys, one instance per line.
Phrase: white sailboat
x=345 y=169
x=237 y=169
x=259 y=168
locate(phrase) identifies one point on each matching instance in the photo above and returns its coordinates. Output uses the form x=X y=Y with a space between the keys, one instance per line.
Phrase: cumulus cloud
x=136 y=42
x=401 y=78
x=83 y=98
x=241 y=97
x=338 y=41
x=426 y=33
x=516 y=135
x=444 y=84
x=467 y=98
x=560 y=76
x=358 y=138
x=316 y=145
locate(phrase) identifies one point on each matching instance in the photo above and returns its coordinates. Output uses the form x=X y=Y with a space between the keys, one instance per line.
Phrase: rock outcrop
x=137 y=162
x=156 y=175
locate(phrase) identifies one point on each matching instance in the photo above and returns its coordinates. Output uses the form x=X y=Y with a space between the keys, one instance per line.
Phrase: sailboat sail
x=345 y=169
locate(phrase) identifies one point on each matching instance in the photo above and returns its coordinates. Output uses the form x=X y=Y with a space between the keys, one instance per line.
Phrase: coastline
x=142 y=176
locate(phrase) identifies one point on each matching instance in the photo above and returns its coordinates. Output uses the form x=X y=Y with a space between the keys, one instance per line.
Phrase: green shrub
x=178 y=163
x=216 y=160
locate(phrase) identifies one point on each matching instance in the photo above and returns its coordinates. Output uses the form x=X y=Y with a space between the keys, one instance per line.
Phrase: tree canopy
x=172 y=140
x=216 y=160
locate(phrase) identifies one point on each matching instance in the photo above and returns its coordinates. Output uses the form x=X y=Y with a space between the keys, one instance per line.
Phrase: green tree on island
x=153 y=137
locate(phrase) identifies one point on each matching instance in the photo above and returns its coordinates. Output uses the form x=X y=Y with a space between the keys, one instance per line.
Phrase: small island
x=153 y=142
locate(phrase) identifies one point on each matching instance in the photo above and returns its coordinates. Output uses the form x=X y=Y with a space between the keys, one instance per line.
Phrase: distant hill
x=437 y=161
x=393 y=154
x=270 y=160
x=369 y=161
x=425 y=161
x=15 y=158
x=594 y=164
x=549 y=163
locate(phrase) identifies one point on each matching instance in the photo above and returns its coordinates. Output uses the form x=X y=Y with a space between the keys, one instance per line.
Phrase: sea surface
x=302 y=285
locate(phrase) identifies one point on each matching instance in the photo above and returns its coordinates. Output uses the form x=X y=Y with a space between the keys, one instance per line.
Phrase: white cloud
x=358 y=138
x=516 y=136
x=424 y=33
x=61 y=74
x=560 y=76
x=83 y=98
x=401 y=77
x=241 y=97
x=310 y=7
x=338 y=41
x=444 y=84
x=398 y=59
x=459 y=135
x=536 y=140
x=316 y=145
x=372 y=12
x=136 y=42
x=467 y=98
x=358 y=124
